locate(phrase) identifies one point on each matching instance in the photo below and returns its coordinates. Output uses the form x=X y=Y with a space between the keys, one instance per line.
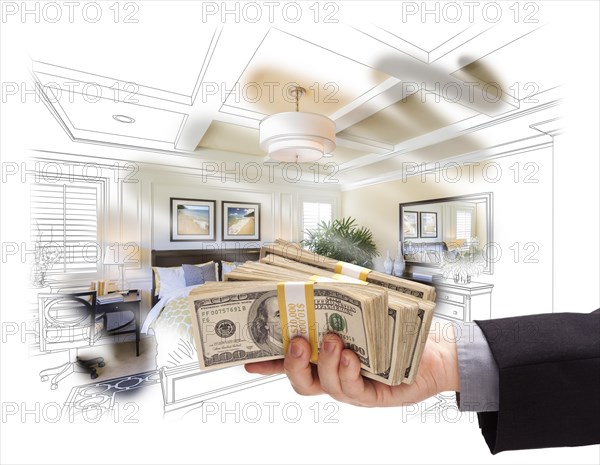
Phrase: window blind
x=464 y=221
x=314 y=213
x=64 y=225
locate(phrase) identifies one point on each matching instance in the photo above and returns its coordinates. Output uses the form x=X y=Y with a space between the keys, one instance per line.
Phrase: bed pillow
x=199 y=274
x=226 y=267
x=168 y=279
x=209 y=271
x=193 y=275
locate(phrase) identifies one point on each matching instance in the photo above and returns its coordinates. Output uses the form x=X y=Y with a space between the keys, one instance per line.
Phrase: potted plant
x=463 y=265
x=343 y=240
x=46 y=255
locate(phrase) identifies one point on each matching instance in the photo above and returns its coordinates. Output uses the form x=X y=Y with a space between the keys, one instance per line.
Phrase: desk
x=116 y=320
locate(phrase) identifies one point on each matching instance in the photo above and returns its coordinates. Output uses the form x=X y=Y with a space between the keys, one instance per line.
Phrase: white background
x=357 y=435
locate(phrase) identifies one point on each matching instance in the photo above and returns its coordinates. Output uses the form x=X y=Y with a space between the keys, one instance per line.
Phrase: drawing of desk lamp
x=116 y=254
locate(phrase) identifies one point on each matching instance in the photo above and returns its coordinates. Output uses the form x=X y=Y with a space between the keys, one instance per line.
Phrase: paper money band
x=297 y=314
x=349 y=279
x=336 y=278
x=315 y=278
x=354 y=271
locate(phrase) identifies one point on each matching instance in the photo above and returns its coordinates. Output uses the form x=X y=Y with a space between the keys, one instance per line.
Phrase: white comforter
x=170 y=323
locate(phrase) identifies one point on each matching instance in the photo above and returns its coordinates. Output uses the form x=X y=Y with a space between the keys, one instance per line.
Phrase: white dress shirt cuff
x=478 y=371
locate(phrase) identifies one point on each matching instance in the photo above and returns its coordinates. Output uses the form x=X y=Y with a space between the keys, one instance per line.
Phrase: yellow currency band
x=297 y=314
x=354 y=271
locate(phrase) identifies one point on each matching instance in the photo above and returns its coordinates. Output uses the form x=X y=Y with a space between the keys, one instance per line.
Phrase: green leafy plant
x=343 y=240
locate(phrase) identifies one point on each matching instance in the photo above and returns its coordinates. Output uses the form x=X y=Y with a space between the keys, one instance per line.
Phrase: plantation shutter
x=64 y=222
x=464 y=221
x=314 y=213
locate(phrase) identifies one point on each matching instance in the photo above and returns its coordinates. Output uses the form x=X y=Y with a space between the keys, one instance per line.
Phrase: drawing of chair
x=69 y=322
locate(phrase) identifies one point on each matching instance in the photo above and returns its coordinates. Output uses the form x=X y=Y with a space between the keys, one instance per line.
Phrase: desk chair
x=69 y=321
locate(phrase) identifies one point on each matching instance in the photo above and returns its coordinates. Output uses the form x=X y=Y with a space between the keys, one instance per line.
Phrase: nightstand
x=118 y=320
x=463 y=302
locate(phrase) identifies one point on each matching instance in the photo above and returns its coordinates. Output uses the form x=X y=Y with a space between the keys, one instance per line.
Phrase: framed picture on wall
x=428 y=224
x=409 y=225
x=240 y=221
x=193 y=220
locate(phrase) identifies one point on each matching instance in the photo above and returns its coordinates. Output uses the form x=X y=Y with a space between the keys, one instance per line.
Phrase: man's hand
x=338 y=373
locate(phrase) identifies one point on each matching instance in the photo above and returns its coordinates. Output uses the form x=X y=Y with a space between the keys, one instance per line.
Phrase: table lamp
x=116 y=254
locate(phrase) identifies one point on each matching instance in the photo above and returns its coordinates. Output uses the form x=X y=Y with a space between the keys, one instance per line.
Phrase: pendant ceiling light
x=297 y=137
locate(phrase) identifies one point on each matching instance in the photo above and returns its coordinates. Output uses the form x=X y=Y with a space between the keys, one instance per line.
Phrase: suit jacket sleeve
x=549 y=376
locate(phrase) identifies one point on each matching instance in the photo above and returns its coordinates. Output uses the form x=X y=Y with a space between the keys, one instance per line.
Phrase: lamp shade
x=116 y=254
x=297 y=136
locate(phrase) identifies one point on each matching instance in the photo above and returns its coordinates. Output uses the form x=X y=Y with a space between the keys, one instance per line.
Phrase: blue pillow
x=209 y=271
x=193 y=275
x=199 y=274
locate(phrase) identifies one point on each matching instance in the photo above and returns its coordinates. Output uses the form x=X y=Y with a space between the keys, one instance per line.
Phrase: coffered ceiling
x=186 y=84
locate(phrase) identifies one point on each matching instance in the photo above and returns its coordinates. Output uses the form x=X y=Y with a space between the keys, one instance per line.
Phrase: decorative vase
x=388 y=264
x=399 y=265
x=460 y=278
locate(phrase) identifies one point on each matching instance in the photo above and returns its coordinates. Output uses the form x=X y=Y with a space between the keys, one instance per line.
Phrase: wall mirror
x=433 y=229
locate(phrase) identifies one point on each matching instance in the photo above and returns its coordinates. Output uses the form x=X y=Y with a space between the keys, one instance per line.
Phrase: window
x=64 y=227
x=464 y=222
x=314 y=213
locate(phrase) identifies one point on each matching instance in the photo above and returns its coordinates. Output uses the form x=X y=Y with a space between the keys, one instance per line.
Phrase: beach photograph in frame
x=240 y=221
x=411 y=230
x=193 y=220
x=428 y=224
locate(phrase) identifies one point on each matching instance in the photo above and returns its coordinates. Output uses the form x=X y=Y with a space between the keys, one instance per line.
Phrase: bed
x=184 y=385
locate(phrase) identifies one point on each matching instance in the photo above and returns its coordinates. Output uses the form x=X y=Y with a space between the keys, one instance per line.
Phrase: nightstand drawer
x=123 y=317
x=443 y=296
x=118 y=306
x=448 y=310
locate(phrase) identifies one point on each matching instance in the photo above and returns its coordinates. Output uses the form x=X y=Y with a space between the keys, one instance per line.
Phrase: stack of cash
x=241 y=322
x=409 y=316
x=293 y=252
x=253 y=315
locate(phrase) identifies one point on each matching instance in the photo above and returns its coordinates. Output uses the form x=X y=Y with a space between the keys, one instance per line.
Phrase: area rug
x=97 y=400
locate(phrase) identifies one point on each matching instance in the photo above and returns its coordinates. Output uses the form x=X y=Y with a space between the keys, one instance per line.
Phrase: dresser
x=463 y=302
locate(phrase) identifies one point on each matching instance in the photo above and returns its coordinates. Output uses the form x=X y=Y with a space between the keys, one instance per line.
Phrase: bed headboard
x=167 y=258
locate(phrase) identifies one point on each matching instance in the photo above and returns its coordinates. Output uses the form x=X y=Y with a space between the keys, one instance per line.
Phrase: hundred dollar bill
x=409 y=315
x=236 y=323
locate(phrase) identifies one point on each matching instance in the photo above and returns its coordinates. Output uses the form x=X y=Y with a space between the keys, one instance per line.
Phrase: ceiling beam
x=363 y=144
x=367 y=44
x=391 y=40
x=543 y=102
x=226 y=64
x=385 y=94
